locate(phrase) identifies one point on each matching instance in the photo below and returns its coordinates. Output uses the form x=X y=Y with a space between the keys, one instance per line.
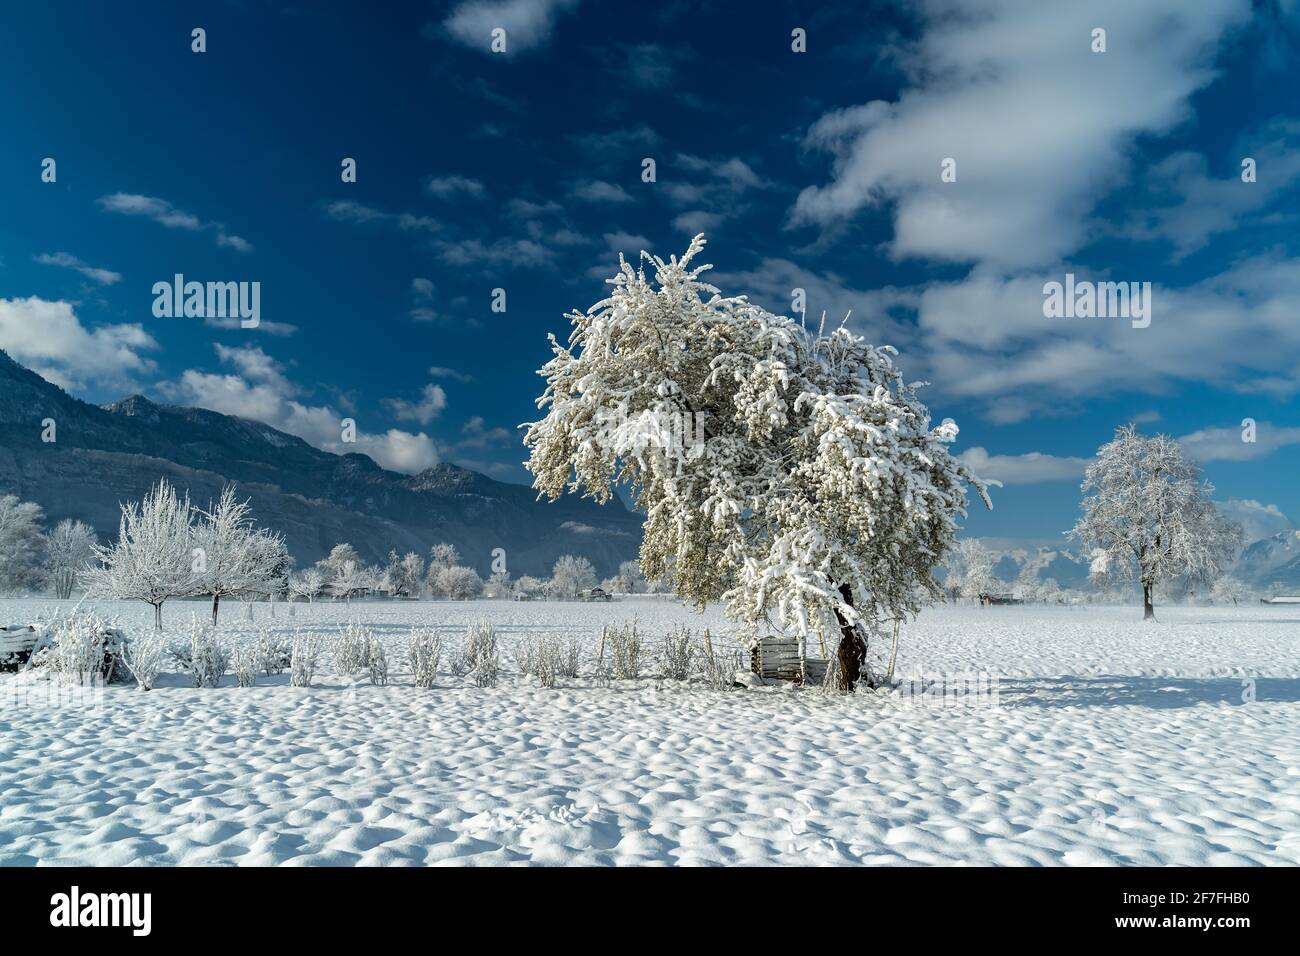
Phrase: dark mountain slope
x=106 y=455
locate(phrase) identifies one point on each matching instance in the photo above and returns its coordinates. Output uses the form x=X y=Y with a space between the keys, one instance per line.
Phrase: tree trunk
x=216 y=600
x=157 y=617
x=1148 y=609
x=852 y=652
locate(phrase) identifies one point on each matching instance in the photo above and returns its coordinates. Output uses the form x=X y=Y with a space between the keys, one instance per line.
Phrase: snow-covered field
x=1108 y=742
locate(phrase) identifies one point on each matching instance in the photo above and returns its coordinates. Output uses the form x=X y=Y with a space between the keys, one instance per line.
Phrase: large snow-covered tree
x=238 y=558
x=21 y=544
x=152 y=559
x=69 y=548
x=814 y=489
x=1148 y=518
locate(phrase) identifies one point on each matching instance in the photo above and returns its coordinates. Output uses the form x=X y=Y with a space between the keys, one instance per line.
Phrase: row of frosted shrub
x=83 y=647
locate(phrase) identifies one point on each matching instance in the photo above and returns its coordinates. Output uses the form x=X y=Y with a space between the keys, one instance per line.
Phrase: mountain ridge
x=105 y=454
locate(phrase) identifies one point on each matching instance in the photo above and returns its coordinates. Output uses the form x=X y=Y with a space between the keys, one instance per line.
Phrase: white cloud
x=875 y=313
x=446 y=187
x=165 y=214
x=1258 y=520
x=597 y=190
x=159 y=210
x=1226 y=444
x=511 y=252
x=68 y=261
x=1202 y=205
x=259 y=390
x=440 y=371
x=1031 y=468
x=351 y=211
x=528 y=23
x=428 y=407
x=475 y=434
x=614 y=146
x=49 y=338
x=985 y=338
x=630 y=245
x=697 y=221
x=717 y=198
x=1039 y=124
x=649 y=65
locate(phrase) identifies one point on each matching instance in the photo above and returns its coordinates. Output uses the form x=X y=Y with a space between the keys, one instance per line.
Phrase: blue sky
x=522 y=171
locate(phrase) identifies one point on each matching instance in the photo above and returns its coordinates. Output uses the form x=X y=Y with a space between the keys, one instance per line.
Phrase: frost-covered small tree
x=237 y=557
x=498 y=585
x=152 y=558
x=21 y=544
x=339 y=555
x=1229 y=590
x=529 y=586
x=571 y=575
x=406 y=574
x=812 y=489
x=458 y=582
x=307 y=584
x=629 y=580
x=443 y=555
x=346 y=580
x=69 y=549
x=1148 y=517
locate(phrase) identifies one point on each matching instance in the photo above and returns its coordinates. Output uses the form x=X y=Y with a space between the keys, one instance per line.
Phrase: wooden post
x=893 y=654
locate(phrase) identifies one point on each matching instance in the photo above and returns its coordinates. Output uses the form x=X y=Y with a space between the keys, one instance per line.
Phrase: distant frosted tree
x=346 y=580
x=970 y=569
x=70 y=549
x=21 y=544
x=813 y=489
x=443 y=555
x=152 y=558
x=1229 y=590
x=307 y=584
x=1148 y=517
x=406 y=574
x=498 y=586
x=238 y=558
x=571 y=575
x=459 y=582
x=629 y=580
x=339 y=555
x=529 y=586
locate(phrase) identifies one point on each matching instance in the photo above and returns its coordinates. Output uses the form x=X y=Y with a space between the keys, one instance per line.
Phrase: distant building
x=596 y=594
x=1282 y=599
x=1004 y=598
